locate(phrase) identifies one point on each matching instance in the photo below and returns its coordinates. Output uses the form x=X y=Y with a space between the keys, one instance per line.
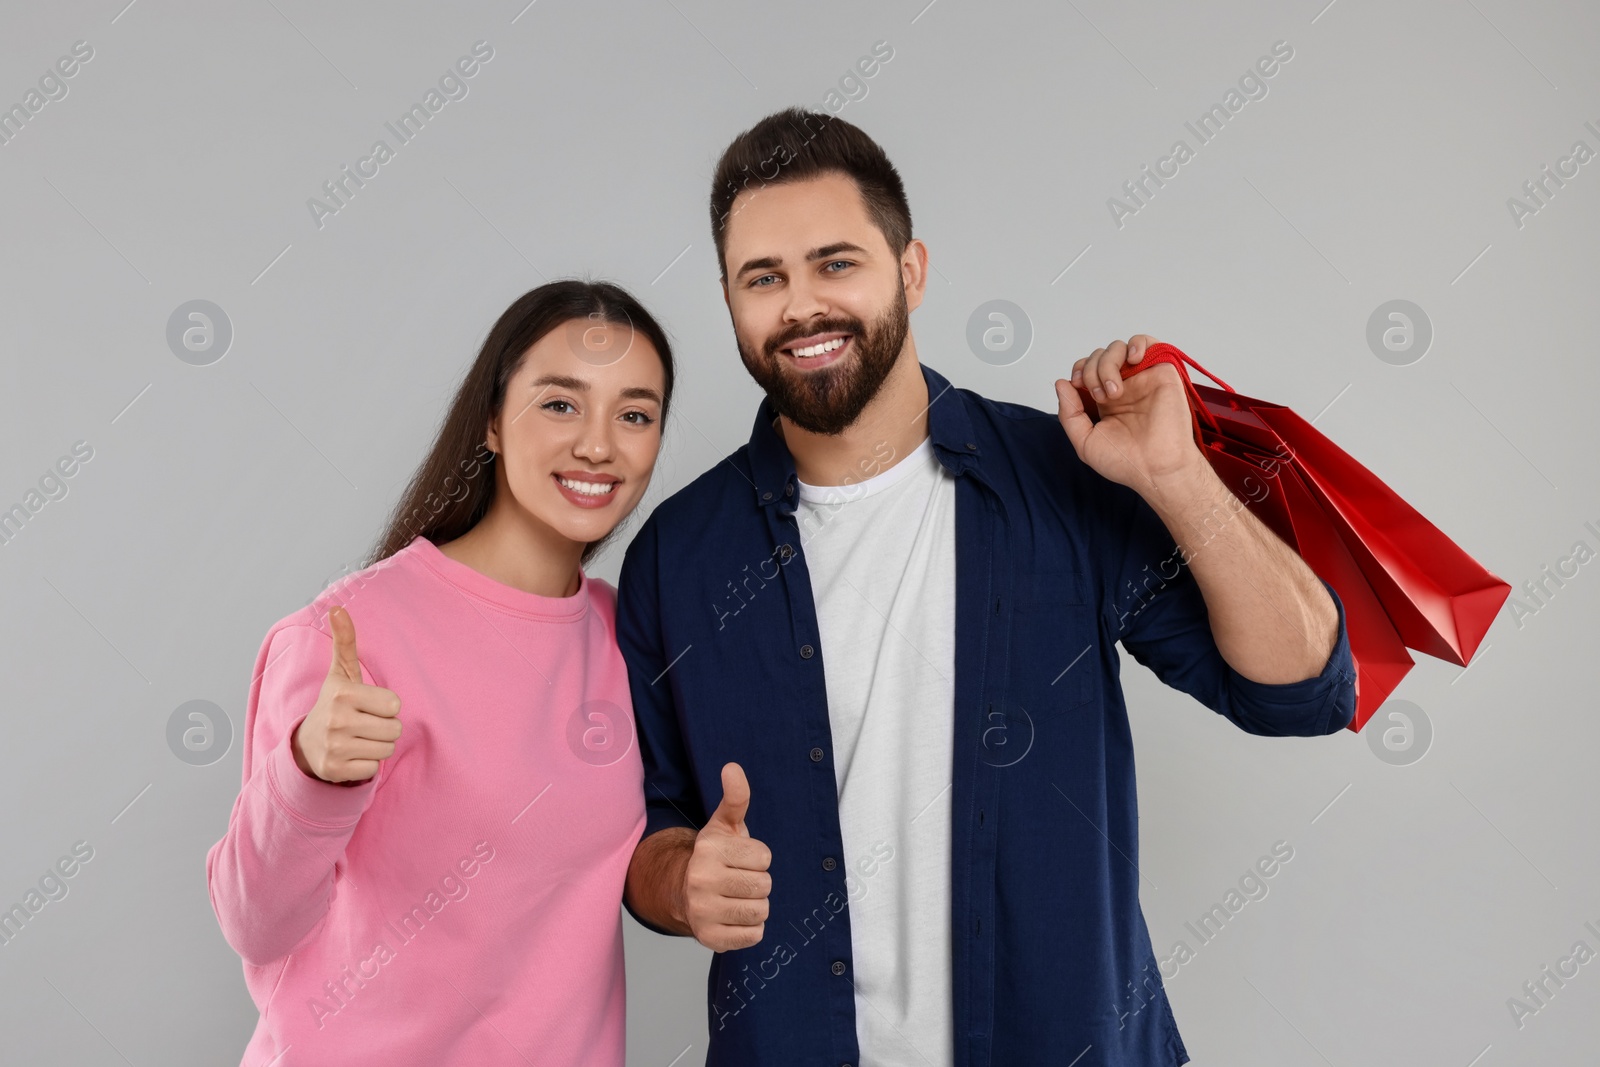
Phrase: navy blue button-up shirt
x=1051 y=958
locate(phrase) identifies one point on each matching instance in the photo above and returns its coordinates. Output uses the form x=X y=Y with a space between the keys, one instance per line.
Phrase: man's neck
x=897 y=418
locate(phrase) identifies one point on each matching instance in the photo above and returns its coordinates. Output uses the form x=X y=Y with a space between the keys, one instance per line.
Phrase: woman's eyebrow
x=560 y=381
x=563 y=381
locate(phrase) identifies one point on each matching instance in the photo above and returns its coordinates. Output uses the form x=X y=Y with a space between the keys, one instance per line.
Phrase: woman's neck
x=518 y=551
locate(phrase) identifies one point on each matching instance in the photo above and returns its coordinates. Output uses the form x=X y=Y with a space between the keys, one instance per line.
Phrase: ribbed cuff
x=310 y=799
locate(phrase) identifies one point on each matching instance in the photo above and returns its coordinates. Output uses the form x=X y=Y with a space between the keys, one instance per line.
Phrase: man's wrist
x=1193 y=488
x=678 y=879
x=655 y=887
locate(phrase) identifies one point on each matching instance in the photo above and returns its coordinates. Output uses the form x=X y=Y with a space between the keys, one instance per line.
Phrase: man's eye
x=835 y=262
x=756 y=282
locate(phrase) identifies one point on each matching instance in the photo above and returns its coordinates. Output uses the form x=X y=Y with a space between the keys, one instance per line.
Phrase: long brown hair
x=453 y=488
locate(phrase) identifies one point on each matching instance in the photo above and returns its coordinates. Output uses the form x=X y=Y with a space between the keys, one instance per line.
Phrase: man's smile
x=818 y=350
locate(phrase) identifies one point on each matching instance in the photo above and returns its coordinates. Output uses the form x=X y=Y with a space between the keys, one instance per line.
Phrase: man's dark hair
x=797 y=145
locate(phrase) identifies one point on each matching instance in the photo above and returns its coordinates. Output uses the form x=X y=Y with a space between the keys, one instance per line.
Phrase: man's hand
x=1270 y=617
x=726 y=884
x=352 y=726
x=1145 y=436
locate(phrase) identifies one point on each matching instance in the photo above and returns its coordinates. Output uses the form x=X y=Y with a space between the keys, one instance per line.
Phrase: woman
x=426 y=858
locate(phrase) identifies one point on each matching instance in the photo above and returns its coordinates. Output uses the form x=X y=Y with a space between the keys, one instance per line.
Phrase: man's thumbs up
x=353 y=726
x=735 y=800
x=726 y=884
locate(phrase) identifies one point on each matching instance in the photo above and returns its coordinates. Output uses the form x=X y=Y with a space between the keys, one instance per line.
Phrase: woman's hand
x=353 y=726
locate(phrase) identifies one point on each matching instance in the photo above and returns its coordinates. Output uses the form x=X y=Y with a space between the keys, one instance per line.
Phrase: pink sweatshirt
x=463 y=906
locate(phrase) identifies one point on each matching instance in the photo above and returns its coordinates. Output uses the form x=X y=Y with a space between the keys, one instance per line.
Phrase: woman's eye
x=639 y=418
x=560 y=407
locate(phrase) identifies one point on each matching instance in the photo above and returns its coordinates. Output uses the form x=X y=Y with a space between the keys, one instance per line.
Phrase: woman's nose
x=594 y=444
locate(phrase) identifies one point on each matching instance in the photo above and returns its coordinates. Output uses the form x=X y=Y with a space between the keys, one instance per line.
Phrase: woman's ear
x=491 y=436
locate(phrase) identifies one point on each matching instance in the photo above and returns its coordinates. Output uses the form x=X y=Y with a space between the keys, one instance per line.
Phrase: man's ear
x=914 y=272
x=725 y=294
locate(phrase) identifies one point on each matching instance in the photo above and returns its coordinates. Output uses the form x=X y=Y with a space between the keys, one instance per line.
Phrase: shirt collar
x=949 y=424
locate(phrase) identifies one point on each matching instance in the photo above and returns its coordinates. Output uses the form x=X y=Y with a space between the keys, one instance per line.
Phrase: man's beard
x=827 y=401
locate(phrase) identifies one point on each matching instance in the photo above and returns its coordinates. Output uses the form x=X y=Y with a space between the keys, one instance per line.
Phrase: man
x=889 y=772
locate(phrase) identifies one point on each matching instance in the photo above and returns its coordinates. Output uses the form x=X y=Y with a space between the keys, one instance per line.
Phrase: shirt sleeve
x=1157 y=611
x=272 y=875
x=671 y=796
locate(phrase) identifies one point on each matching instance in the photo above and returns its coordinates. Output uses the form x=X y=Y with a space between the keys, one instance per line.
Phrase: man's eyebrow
x=769 y=262
x=562 y=381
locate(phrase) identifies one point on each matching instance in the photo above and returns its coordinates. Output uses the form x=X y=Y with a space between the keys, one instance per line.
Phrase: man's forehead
x=792 y=220
x=828 y=201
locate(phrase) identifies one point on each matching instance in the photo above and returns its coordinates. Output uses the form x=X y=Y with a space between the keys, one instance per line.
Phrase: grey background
x=222 y=497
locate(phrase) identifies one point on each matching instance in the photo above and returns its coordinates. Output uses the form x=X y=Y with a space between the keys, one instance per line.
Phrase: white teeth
x=587 y=488
x=817 y=350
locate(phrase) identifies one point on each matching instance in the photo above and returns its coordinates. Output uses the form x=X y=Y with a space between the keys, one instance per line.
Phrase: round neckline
x=509 y=598
x=832 y=494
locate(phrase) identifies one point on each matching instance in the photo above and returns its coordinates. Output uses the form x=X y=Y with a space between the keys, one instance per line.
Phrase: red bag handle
x=1161 y=352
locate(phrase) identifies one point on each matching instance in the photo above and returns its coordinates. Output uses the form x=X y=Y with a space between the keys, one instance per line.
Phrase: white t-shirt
x=882 y=559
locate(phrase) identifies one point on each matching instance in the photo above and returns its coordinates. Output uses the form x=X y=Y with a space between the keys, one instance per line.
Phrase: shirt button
x=971 y=447
x=806 y=651
x=788 y=490
x=816 y=755
x=829 y=863
x=838 y=966
x=785 y=551
x=766 y=496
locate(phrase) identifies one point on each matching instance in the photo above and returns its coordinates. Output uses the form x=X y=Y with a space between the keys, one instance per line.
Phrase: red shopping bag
x=1276 y=493
x=1403 y=583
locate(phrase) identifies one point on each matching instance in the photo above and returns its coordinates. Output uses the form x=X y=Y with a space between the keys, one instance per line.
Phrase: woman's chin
x=587 y=524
